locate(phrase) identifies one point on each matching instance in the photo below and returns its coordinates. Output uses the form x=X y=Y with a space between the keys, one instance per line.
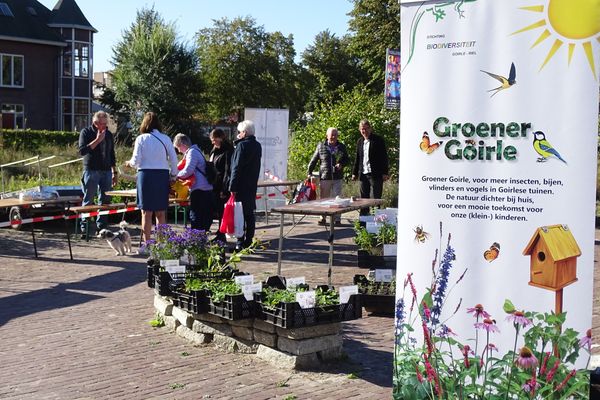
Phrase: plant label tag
x=248 y=290
x=306 y=299
x=390 y=250
x=244 y=280
x=366 y=218
x=383 y=275
x=291 y=283
x=346 y=292
x=372 y=227
x=390 y=213
x=176 y=269
x=169 y=263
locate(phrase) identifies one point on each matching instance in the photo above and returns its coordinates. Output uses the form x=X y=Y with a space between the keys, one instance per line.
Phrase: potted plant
x=386 y=235
x=371 y=246
x=377 y=297
x=279 y=307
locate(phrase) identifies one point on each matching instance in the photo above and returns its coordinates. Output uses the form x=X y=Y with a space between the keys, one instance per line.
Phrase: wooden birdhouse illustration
x=553 y=254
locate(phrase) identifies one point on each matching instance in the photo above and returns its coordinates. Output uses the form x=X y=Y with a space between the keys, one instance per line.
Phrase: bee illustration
x=420 y=235
x=470 y=141
x=426 y=145
x=491 y=254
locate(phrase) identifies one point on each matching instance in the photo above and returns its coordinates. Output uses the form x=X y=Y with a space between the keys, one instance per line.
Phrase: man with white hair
x=333 y=156
x=97 y=146
x=243 y=178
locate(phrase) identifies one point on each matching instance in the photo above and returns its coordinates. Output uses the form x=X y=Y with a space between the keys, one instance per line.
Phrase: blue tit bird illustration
x=505 y=82
x=544 y=148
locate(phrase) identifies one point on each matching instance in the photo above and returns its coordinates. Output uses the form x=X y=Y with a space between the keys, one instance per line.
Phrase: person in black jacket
x=220 y=155
x=243 y=178
x=333 y=157
x=96 y=145
x=371 y=165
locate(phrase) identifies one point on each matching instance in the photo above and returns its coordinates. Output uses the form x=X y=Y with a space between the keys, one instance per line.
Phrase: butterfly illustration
x=426 y=145
x=491 y=254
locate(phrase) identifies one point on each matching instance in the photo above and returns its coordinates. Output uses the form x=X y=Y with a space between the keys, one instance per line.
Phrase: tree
x=331 y=68
x=376 y=27
x=244 y=66
x=154 y=71
x=345 y=115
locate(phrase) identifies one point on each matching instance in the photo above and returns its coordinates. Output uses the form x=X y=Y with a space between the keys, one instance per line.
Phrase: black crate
x=150 y=276
x=161 y=283
x=291 y=315
x=380 y=304
x=165 y=283
x=366 y=260
x=195 y=301
x=152 y=269
x=233 y=307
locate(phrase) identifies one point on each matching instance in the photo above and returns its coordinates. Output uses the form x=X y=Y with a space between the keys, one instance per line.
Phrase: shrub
x=345 y=116
x=29 y=140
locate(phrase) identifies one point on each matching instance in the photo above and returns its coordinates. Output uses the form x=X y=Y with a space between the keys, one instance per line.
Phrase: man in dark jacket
x=371 y=164
x=243 y=178
x=97 y=147
x=333 y=157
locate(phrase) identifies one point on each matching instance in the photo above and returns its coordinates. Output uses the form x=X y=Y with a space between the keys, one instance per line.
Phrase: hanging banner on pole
x=497 y=183
x=392 y=79
x=271 y=126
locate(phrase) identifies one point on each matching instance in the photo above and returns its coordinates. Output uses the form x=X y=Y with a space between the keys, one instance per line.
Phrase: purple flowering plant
x=194 y=245
x=432 y=362
x=166 y=245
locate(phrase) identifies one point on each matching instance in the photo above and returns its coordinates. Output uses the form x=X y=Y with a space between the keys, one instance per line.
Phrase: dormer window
x=5 y=10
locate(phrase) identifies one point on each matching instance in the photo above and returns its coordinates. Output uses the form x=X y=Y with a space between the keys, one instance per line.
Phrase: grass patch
x=175 y=386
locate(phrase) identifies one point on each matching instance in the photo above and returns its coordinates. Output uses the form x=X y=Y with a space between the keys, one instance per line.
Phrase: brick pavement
x=78 y=329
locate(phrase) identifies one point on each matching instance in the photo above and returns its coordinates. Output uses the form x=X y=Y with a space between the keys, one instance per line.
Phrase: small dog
x=119 y=241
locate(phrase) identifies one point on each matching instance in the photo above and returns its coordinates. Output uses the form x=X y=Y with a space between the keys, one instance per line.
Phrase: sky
x=304 y=19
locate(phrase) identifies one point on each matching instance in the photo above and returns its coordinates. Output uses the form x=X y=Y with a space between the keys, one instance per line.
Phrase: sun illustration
x=568 y=21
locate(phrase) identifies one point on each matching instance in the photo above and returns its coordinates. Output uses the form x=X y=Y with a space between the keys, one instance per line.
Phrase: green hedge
x=29 y=140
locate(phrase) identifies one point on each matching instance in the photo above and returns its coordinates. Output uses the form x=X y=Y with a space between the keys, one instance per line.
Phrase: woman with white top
x=156 y=162
x=201 y=195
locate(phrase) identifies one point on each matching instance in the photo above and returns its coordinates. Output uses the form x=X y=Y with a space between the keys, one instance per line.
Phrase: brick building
x=46 y=66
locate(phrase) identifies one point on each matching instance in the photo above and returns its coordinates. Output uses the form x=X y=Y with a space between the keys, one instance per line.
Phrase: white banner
x=498 y=162
x=272 y=132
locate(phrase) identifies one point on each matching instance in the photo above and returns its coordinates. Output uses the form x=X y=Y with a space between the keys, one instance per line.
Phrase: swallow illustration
x=505 y=82
x=544 y=148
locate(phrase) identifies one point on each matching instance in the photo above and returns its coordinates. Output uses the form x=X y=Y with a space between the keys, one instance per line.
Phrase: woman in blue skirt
x=156 y=162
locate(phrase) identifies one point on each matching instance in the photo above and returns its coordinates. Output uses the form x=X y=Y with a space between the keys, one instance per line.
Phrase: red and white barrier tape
x=104 y=212
x=30 y=220
x=272 y=177
x=260 y=196
x=33 y=220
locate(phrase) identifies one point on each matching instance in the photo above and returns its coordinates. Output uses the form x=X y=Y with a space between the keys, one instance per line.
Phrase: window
x=11 y=70
x=13 y=116
x=67 y=62
x=5 y=10
x=81 y=60
x=76 y=114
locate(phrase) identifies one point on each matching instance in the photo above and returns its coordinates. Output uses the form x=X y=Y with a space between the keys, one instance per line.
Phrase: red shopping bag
x=305 y=191
x=228 y=222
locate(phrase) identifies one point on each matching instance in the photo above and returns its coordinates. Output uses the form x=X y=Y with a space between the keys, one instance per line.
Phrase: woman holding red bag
x=220 y=155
